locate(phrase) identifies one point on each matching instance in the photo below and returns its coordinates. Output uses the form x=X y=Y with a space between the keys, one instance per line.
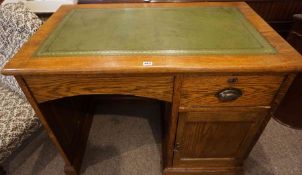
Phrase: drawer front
x=199 y=91
x=45 y=88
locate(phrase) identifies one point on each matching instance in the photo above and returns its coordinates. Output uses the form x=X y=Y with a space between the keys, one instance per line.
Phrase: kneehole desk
x=218 y=68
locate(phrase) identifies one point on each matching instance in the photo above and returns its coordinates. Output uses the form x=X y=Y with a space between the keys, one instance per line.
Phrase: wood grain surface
x=257 y=90
x=216 y=137
x=70 y=120
x=57 y=86
x=172 y=123
x=204 y=171
x=50 y=131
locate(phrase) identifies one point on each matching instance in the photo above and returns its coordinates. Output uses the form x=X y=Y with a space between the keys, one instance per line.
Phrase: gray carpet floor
x=125 y=140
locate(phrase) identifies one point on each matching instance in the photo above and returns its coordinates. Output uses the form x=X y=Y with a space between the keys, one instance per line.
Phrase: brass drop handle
x=229 y=94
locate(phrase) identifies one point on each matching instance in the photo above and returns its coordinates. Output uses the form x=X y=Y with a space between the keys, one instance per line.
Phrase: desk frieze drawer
x=249 y=90
x=47 y=88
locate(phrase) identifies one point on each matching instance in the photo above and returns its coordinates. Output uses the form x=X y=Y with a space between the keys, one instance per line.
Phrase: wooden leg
x=165 y=115
x=2 y=171
x=70 y=120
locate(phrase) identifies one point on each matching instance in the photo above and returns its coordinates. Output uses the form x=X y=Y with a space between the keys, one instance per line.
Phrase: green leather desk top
x=154 y=31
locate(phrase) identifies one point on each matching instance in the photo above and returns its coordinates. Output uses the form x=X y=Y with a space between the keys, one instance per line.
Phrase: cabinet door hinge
x=177 y=146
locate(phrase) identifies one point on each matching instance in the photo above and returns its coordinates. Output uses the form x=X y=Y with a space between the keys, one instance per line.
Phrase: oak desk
x=218 y=68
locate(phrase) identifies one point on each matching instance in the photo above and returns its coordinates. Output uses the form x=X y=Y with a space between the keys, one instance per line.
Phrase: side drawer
x=45 y=88
x=199 y=91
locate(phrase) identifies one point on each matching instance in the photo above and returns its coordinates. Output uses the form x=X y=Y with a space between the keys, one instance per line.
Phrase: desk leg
x=70 y=120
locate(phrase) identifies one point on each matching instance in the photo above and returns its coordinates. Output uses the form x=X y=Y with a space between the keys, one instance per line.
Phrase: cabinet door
x=216 y=137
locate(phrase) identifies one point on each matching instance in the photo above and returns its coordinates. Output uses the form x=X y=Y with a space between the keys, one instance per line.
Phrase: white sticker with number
x=147 y=63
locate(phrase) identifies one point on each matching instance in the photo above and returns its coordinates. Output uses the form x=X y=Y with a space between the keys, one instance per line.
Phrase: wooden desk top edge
x=287 y=59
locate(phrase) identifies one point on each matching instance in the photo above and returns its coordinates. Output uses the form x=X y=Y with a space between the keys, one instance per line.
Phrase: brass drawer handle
x=229 y=94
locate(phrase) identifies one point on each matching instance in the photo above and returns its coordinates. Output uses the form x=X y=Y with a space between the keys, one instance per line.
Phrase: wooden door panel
x=207 y=134
x=215 y=138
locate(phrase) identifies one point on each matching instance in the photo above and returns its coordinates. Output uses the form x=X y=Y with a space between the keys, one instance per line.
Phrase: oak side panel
x=257 y=90
x=43 y=120
x=70 y=119
x=286 y=84
x=52 y=87
x=277 y=99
